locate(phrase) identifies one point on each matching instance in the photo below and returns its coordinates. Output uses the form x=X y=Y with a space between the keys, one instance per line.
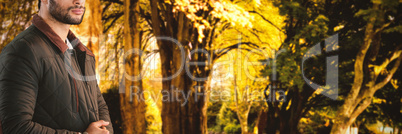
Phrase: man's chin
x=76 y=23
x=76 y=20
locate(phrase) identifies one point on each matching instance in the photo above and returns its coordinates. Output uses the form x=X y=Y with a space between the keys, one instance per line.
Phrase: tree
x=176 y=118
x=132 y=106
x=289 y=97
x=372 y=69
x=192 y=29
x=308 y=23
x=14 y=18
x=250 y=45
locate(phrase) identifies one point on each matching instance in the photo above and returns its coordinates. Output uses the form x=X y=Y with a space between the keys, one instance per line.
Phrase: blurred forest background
x=228 y=52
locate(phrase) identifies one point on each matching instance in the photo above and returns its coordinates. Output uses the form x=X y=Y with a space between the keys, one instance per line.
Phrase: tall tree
x=308 y=23
x=176 y=118
x=133 y=107
x=288 y=96
x=185 y=29
x=374 y=67
x=264 y=36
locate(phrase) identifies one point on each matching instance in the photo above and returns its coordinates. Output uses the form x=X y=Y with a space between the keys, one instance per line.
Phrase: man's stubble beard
x=63 y=16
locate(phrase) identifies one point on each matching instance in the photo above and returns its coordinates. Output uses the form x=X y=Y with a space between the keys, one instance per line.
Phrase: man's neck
x=59 y=28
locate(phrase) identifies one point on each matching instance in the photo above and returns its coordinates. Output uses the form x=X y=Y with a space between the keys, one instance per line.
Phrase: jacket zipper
x=75 y=84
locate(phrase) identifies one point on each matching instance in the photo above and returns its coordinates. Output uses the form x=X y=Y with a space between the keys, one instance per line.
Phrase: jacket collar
x=55 y=39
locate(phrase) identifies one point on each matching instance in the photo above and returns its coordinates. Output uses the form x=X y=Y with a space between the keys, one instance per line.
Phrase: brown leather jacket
x=45 y=88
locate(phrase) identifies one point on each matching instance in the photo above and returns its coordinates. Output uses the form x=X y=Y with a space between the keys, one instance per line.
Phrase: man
x=47 y=82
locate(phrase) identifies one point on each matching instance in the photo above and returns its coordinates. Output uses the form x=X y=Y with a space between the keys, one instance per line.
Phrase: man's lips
x=78 y=11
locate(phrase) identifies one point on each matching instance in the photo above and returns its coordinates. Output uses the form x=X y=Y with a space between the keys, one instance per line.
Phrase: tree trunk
x=281 y=119
x=244 y=125
x=339 y=128
x=183 y=106
x=132 y=104
x=262 y=120
x=242 y=114
x=345 y=119
x=204 y=104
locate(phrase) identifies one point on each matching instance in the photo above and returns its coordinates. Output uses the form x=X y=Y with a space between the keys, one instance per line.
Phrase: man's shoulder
x=25 y=41
x=31 y=35
x=27 y=45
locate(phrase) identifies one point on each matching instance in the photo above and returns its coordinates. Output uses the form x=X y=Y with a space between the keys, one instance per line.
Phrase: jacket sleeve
x=19 y=78
x=104 y=111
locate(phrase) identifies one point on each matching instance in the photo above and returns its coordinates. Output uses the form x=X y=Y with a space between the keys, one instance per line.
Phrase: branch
x=255 y=12
x=359 y=109
x=359 y=62
x=383 y=27
x=111 y=24
x=390 y=74
x=146 y=38
x=106 y=6
x=147 y=16
x=255 y=34
x=106 y=18
x=237 y=45
x=395 y=54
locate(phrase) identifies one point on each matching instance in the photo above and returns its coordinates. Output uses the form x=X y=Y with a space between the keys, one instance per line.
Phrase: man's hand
x=98 y=127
